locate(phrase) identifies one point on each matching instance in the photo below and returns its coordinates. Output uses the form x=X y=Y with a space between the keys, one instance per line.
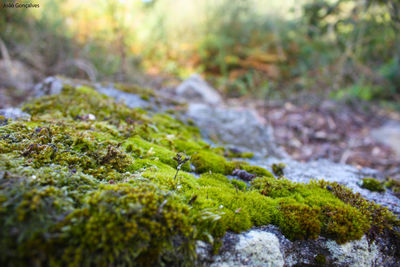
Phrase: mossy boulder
x=104 y=190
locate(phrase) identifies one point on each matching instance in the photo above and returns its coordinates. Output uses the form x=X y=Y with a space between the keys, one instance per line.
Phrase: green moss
x=394 y=185
x=278 y=168
x=102 y=191
x=239 y=184
x=258 y=171
x=299 y=221
x=232 y=153
x=320 y=259
x=210 y=162
x=372 y=184
x=309 y=210
x=240 y=209
x=379 y=218
x=188 y=147
x=128 y=225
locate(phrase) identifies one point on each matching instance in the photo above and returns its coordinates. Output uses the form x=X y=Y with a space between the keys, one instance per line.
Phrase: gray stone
x=240 y=128
x=49 y=86
x=266 y=246
x=355 y=253
x=194 y=89
x=389 y=134
x=131 y=100
x=253 y=248
x=14 y=114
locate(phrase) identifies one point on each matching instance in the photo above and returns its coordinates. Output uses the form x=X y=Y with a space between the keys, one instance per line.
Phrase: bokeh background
x=324 y=73
x=339 y=49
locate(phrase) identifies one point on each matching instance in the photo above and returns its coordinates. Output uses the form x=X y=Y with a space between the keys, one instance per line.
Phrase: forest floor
x=340 y=132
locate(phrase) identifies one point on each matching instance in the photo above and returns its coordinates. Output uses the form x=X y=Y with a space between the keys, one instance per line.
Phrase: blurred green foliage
x=341 y=48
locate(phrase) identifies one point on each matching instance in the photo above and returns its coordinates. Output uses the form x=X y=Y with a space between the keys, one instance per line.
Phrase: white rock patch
x=356 y=253
x=255 y=248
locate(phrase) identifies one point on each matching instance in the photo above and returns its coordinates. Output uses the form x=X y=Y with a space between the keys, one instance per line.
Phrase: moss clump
x=258 y=171
x=122 y=224
x=240 y=209
x=309 y=211
x=235 y=153
x=379 y=218
x=127 y=225
x=320 y=259
x=278 y=168
x=372 y=185
x=239 y=184
x=210 y=162
x=394 y=185
x=101 y=189
x=299 y=221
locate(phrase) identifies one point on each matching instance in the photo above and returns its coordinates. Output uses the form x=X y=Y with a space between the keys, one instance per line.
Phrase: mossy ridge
x=115 y=174
x=307 y=211
x=379 y=217
x=206 y=161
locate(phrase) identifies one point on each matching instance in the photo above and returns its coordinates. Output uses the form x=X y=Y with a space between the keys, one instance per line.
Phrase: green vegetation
x=320 y=259
x=278 y=168
x=372 y=184
x=103 y=191
x=393 y=185
x=380 y=218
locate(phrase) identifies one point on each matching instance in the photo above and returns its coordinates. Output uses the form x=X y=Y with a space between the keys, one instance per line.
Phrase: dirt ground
x=340 y=132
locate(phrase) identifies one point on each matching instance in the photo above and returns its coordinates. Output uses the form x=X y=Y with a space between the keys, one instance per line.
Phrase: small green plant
x=372 y=184
x=320 y=259
x=278 y=168
x=393 y=184
x=181 y=159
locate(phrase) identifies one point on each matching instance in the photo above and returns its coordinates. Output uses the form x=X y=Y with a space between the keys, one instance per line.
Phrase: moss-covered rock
x=309 y=211
x=88 y=181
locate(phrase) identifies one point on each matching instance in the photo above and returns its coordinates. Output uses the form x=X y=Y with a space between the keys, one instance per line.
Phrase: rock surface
x=389 y=134
x=195 y=89
x=50 y=86
x=14 y=114
x=131 y=100
x=253 y=248
x=266 y=246
x=241 y=128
